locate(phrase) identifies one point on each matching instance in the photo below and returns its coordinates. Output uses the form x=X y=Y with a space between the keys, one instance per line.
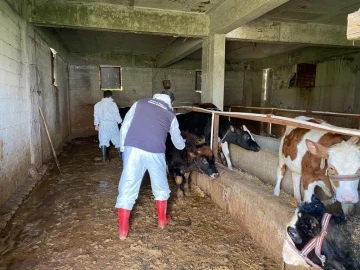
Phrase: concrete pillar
x=213 y=70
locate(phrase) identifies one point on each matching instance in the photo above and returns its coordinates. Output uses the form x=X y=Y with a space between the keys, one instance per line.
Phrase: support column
x=213 y=70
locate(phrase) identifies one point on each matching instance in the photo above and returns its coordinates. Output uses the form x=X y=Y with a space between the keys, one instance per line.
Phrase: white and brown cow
x=313 y=156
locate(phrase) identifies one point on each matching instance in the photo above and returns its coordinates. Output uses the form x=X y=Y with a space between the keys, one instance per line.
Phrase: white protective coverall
x=137 y=161
x=107 y=116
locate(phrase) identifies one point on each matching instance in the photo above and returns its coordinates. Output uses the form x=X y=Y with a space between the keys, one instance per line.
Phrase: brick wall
x=24 y=85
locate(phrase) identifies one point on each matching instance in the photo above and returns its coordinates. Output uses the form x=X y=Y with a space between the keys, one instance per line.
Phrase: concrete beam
x=289 y=32
x=231 y=14
x=108 y=17
x=308 y=54
x=177 y=51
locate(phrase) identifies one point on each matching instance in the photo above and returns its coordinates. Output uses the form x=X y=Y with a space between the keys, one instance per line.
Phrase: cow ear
x=353 y=140
x=317 y=149
x=292 y=232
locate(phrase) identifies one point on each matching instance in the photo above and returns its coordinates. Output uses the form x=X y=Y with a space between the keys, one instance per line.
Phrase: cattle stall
x=249 y=198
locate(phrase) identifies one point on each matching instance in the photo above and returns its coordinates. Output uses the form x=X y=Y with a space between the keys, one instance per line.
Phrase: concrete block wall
x=143 y=82
x=85 y=93
x=234 y=88
x=14 y=109
x=137 y=83
x=334 y=91
x=24 y=85
x=182 y=85
x=53 y=99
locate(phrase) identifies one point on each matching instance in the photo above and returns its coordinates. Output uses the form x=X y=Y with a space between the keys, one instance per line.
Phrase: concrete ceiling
x=330 y=12
x=87 y=41
x=93 y=42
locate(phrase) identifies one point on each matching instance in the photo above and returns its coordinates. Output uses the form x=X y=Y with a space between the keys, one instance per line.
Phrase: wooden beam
x=280 y=120
x=215 y=135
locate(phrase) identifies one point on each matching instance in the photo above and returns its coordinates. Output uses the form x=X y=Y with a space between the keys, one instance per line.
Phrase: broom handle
x=48 y=134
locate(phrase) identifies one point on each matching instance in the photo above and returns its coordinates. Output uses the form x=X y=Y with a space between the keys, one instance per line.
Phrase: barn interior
x=54 y=55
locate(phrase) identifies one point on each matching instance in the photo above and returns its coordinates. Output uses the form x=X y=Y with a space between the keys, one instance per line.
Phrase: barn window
x=198 y=80
x=305 y=75
x=53 y=66
x=110 y=78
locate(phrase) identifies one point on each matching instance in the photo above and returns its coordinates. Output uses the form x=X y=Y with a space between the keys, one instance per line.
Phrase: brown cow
x=314 y=156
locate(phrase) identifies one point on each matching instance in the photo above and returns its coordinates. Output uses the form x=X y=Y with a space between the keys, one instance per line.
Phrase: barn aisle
x=69 y=222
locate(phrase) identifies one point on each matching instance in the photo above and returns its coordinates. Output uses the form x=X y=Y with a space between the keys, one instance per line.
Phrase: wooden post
x=48 y=134
x=215 y=133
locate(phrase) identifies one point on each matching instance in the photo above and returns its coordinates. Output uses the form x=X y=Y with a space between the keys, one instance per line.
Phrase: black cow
x=192 y=158
x=200 y=124
x=123 y=111
x=341 y=244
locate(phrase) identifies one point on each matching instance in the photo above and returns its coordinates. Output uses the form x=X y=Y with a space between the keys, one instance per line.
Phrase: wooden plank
x=274 y=110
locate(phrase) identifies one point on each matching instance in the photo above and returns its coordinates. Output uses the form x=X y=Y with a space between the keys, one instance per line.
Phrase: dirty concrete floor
x=69 y=222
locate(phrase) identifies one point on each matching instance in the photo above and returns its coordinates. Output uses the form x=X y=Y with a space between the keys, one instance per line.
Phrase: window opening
x=53 y=66
x=110 y=78
x=198 y=81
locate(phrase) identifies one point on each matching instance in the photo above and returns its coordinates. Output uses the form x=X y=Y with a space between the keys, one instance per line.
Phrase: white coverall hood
x=163 y=97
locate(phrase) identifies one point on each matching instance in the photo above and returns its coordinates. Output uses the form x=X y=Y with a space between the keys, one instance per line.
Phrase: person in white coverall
x=142 y=141
x=106 y=120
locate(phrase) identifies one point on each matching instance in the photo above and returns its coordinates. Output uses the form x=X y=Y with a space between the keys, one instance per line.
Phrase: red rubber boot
x=163 y=218
x=123 y=217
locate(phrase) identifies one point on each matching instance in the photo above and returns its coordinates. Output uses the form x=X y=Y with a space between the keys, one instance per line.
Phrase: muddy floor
x=69 y=222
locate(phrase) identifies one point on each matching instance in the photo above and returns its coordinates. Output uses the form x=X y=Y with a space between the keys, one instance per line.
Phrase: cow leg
x=309 y=191
x=296 y=178
x=309 y=188
x=225 y=150
x=222 y=158
x=186 y=184
x=180 y=193
x=280 y=174
x=347 y=208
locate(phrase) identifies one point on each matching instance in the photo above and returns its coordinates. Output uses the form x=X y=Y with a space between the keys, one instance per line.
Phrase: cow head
x=203 y=162
x=304 y=226
x=343 y=167
x=200 y=159
x=242 y=137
